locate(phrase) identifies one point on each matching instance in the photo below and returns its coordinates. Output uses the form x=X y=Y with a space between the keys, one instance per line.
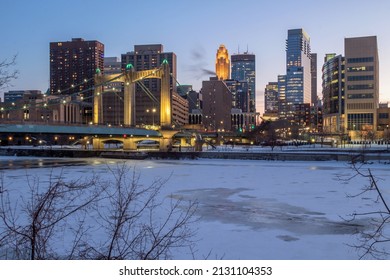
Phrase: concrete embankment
x=312 y=155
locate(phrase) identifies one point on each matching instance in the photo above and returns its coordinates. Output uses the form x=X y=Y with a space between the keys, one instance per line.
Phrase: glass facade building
x=244 y=69
x=333 y=87
x=298 y=67
x=271 y=98
x=282 y=105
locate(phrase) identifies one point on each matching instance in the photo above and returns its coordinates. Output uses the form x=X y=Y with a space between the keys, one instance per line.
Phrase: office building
x=217 y=105
x=362 y=85
x=333 y=98
x=240 y=93
x=113 y=105
x=271 y=98
x=244 y=70
x=313 y=71
x=282 y=104
x=73 y=65
x=298 y=70
x=222 y=63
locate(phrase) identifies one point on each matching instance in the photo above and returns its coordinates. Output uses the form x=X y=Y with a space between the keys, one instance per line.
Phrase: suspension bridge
x=94 y=133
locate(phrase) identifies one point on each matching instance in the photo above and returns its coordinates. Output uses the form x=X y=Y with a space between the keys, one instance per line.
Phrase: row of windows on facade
x=360 y=59
x=359 y=121
x=360 y=106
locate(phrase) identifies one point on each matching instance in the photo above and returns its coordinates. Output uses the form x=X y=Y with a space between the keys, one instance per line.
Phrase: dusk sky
x=191 y=29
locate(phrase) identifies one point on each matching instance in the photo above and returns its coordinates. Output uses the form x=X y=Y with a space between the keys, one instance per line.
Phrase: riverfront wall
x=312 y=155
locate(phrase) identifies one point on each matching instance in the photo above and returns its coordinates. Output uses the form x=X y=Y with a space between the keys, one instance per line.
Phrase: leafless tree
x=31 y=226
x=374 y=241
x=119 y=218
x=137 y=224
x=6 y=73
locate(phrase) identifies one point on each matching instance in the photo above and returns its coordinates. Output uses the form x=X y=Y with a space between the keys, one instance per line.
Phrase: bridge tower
x=129 y=77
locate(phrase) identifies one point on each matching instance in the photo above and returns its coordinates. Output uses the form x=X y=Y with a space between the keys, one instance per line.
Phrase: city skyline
x=191 y=31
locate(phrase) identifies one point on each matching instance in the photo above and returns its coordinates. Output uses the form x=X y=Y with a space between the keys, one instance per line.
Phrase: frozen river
x=247 y=209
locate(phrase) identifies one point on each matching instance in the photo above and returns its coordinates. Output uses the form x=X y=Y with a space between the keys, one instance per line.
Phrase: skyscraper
x=73 y=65
x=362 y=85
x=282 y=105
x=73 y=62
x=244 y=69
x=222 y=63
x=298 y=67
x=313 y=71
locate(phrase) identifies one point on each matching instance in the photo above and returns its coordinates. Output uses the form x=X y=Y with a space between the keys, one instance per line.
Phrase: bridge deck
x=72 y=129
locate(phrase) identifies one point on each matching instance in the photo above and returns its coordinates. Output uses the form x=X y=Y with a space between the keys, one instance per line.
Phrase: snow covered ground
x=247 y=209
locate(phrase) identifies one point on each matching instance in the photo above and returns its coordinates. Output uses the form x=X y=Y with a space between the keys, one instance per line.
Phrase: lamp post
x=387 y=137
x=153 y=111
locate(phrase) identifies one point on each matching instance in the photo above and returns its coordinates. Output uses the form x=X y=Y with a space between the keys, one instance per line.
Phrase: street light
x=153 y=111
x=387 y=137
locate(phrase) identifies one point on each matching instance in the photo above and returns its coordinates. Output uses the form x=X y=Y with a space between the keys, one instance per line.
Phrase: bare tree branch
x=6 y=74
x=372 y=241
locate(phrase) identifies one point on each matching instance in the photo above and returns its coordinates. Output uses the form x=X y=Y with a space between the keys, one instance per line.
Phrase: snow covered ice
x=247 y=209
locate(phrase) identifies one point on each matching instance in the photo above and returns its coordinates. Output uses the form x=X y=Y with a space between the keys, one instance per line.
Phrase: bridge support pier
x=97 y=144
x=129 y=144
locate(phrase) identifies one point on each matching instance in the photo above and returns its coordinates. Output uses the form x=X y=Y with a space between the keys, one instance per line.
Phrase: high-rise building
x=240 y=93
x=271 y=98
x=361 y=85
x=333 y=76
x=73 y=65
x=148 y=91
x=113 y=105
x=298 y=67
x=282 y=104
x=217 y=105
x=313 y=71
x=222 y=63
x=244 y=69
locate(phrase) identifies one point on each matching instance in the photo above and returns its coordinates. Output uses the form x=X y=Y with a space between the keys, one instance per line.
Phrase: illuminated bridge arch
x=129 y=77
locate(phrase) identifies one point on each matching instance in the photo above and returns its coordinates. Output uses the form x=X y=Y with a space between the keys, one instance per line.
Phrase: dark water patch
x=232 y=206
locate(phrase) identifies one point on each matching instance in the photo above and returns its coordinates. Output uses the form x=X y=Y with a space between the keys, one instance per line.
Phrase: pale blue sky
x=189 y=27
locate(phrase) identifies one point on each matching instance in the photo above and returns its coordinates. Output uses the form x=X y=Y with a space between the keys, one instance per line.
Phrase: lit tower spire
x=222 y=63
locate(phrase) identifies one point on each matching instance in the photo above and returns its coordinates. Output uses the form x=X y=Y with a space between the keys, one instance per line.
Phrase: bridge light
x=124 y=136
